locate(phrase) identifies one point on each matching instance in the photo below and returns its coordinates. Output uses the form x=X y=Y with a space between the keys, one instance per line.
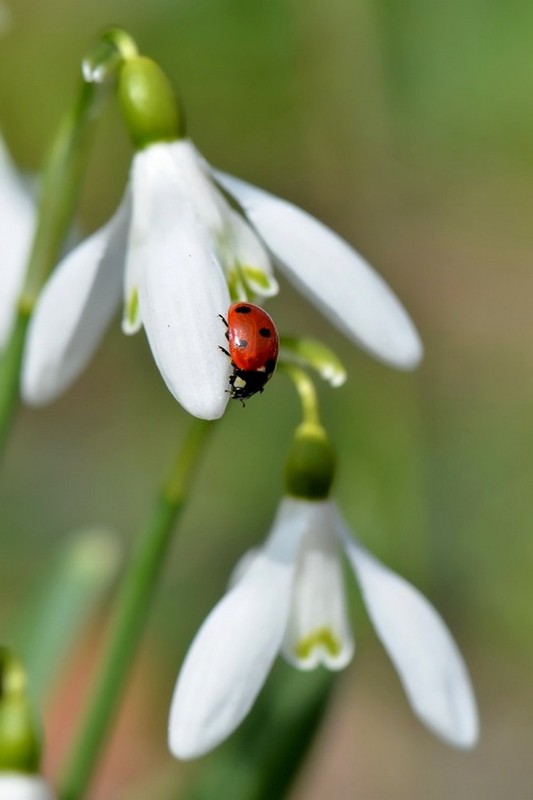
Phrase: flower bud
x=149 y=104
x=311 y=463
x=20 y=744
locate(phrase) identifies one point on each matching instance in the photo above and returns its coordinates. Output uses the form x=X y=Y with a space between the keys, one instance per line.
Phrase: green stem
x=10 y=362
x=306 y=392
x=130 y=614
x=60 y=186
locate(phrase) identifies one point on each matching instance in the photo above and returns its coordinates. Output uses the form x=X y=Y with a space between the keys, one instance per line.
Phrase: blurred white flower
x=289 y=597
x=175 y=250
x=16 y=786
x=17 y=222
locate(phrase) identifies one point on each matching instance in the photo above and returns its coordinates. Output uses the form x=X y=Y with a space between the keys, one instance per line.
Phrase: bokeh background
x=408 y=127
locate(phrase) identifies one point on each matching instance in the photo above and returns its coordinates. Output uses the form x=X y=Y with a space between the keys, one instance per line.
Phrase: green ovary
x=322 y=637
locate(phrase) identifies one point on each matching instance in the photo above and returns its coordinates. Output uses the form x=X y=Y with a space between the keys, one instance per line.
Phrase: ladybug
x=253 y=349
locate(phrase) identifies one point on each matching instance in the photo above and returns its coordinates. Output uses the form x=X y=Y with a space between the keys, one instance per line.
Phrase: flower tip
x=463 y=733
x=409 y=351
x=182 y=746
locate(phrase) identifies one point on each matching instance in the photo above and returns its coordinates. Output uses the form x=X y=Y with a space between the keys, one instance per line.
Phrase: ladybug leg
x=223 y=320
x=224 y=351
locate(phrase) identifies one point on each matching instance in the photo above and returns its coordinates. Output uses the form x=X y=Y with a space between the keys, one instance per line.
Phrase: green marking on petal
x=322 y=637
x=236 y=286
x=132 y=310
x=258 y=281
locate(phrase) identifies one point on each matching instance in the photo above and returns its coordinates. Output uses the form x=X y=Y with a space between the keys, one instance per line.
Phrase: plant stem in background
x=59 y=190
x=133 y=603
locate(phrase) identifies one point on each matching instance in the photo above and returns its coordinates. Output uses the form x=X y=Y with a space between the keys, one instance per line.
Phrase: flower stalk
x=131 y=610
x=60 y=186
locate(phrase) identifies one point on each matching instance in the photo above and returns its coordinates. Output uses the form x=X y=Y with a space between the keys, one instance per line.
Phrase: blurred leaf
x=66 y=599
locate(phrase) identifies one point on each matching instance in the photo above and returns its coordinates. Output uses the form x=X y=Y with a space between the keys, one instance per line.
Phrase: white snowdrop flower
x=288 y=597
x=17 y=222
x=18 y=786
x=177 y=249
x=172 y=249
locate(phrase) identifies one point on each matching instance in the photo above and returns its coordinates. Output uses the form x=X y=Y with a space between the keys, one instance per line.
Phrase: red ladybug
x=253 y=349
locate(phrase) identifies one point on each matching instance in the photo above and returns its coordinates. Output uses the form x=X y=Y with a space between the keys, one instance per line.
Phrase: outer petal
x=74 y=310
x=332 y=275
x=182 y=290
x=420 y=646
x=233 y=651
x=15 y=786
x=318 y=630
x=17 y=222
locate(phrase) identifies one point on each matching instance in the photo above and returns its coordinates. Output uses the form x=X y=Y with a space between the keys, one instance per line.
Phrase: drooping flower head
x=184 y=242
x=288 y=598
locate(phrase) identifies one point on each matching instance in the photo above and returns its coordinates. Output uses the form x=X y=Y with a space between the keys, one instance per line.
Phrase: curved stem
x=130 y=614
x=306 y=392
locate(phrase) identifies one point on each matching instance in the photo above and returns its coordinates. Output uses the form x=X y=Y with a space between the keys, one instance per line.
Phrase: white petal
x=73 y=311
x=420 y=646
x=332 y=275
x=17 y=223
x=242 y=566
x=242 y=250
x=182 y=290
x=233 y=651
x=15 y=786
x=318 y=630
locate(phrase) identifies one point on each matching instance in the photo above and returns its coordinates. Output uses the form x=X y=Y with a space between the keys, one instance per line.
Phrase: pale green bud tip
x=20 y=744
x=306 y=352
x=311 y=463
x=149 y=104
x=105 y=57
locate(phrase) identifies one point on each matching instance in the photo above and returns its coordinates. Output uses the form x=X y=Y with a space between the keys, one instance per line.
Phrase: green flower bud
x=150 y=106
x=311 y=463
x=20 y=742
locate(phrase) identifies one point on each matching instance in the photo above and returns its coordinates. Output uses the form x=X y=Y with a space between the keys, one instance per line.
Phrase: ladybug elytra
x=253 y=349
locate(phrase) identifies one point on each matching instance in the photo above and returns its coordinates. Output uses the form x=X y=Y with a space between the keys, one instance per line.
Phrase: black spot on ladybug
x=243 y=310
x=266 y=333
x=241 y=343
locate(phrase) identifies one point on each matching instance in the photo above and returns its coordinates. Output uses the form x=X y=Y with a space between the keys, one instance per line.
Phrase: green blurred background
x=408 y=127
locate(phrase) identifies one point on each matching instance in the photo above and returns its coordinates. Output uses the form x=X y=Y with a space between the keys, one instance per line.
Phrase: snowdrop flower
x=288 y=597
x=16 y=786
x=177 y=249
x=17 y=222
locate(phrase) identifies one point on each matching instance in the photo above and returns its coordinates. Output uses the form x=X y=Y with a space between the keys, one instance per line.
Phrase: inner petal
x=318 y=630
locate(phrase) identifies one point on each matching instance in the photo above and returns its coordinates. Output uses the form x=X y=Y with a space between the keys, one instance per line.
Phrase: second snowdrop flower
x=288 y=598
